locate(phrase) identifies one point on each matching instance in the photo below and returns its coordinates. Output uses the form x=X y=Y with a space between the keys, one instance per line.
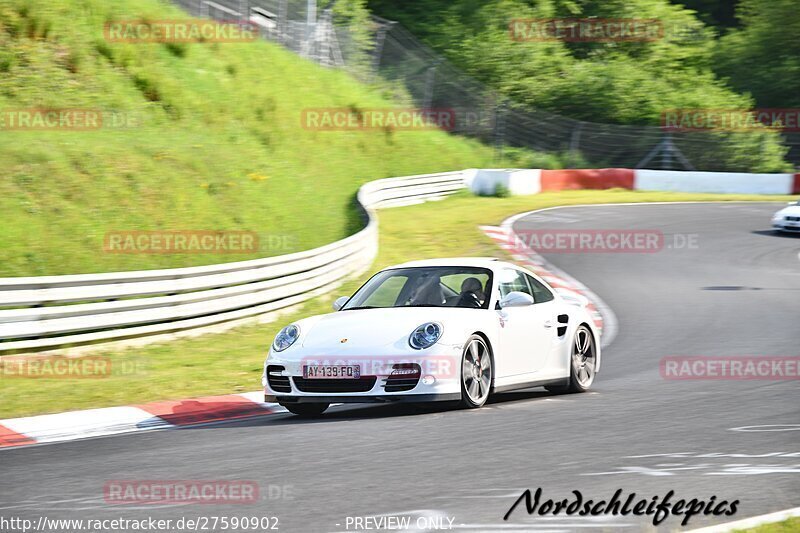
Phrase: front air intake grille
x=404 y=377
x=362 y=384
x=277 y=382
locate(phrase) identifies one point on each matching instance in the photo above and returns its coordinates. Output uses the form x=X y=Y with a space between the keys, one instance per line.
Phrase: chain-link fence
x=416 y=75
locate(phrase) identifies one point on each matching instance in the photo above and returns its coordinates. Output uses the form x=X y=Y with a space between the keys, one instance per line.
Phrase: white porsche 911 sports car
x=445 y=329
x=788 y=218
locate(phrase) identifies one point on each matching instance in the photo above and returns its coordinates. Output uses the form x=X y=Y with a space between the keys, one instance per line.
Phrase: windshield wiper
x=362 y=307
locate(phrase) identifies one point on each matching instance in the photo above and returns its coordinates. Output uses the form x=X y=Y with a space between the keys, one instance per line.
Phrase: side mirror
x=516 y=299
x=339 y=303
x=793 y=203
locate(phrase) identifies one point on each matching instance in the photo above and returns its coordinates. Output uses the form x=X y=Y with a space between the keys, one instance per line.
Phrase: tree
x=763 y=57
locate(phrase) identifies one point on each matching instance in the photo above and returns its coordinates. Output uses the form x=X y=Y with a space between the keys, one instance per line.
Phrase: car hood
x=375 y=328
x=791 y=211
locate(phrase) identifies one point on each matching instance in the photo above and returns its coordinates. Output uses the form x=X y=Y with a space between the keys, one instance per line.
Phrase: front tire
x=476 y=373
x=306 y=409
x=583 y=363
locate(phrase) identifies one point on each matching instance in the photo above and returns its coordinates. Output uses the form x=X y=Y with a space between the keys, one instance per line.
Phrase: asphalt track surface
x=737 y=292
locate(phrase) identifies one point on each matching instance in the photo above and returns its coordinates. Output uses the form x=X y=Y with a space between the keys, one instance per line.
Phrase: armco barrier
x=41 y=314
x=717 y=182
x=587 y=178
x=486 y=181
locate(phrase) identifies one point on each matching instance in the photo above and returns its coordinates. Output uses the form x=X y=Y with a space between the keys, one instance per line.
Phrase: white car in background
x=788 y=218
x=435 y=330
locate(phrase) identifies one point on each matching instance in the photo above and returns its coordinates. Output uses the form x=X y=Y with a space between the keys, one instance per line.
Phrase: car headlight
x=285 y=338
x=425 y=336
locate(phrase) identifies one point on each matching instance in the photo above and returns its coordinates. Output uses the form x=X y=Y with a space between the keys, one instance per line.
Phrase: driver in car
x=471 y=293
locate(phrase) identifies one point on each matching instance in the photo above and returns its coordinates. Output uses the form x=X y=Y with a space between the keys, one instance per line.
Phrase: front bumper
x=438 y=379
x=782 y=226
x=382 y=398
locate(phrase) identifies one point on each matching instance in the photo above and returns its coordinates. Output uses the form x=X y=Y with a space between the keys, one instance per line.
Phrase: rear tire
x=306 y=409
x=583 y=362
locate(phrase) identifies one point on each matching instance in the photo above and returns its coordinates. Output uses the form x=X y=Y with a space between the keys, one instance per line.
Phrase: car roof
x=480 y=262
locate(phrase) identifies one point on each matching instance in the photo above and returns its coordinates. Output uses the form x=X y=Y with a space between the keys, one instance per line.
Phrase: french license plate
x=331 y=371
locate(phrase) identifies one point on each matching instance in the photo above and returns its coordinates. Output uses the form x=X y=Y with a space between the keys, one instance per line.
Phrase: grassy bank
x=212 y=140
x=231 y=362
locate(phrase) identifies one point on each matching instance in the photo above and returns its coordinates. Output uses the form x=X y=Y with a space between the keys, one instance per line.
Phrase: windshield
x=450 y=286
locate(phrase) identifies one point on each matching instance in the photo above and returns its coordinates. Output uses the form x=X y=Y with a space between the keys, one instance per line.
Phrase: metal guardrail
x=54 y=312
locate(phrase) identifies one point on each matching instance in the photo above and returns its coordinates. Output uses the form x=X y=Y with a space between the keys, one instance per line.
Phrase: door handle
x=548 y=324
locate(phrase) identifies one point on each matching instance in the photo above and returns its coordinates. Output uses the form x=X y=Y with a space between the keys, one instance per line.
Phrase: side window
x=540 y=292
x=513 y=280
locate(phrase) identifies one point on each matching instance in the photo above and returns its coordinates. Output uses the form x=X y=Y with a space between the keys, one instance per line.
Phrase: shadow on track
x=353 y=412
x=779 y=234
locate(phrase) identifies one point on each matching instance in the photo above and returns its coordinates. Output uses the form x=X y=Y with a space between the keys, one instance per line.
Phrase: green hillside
x=216 y=142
